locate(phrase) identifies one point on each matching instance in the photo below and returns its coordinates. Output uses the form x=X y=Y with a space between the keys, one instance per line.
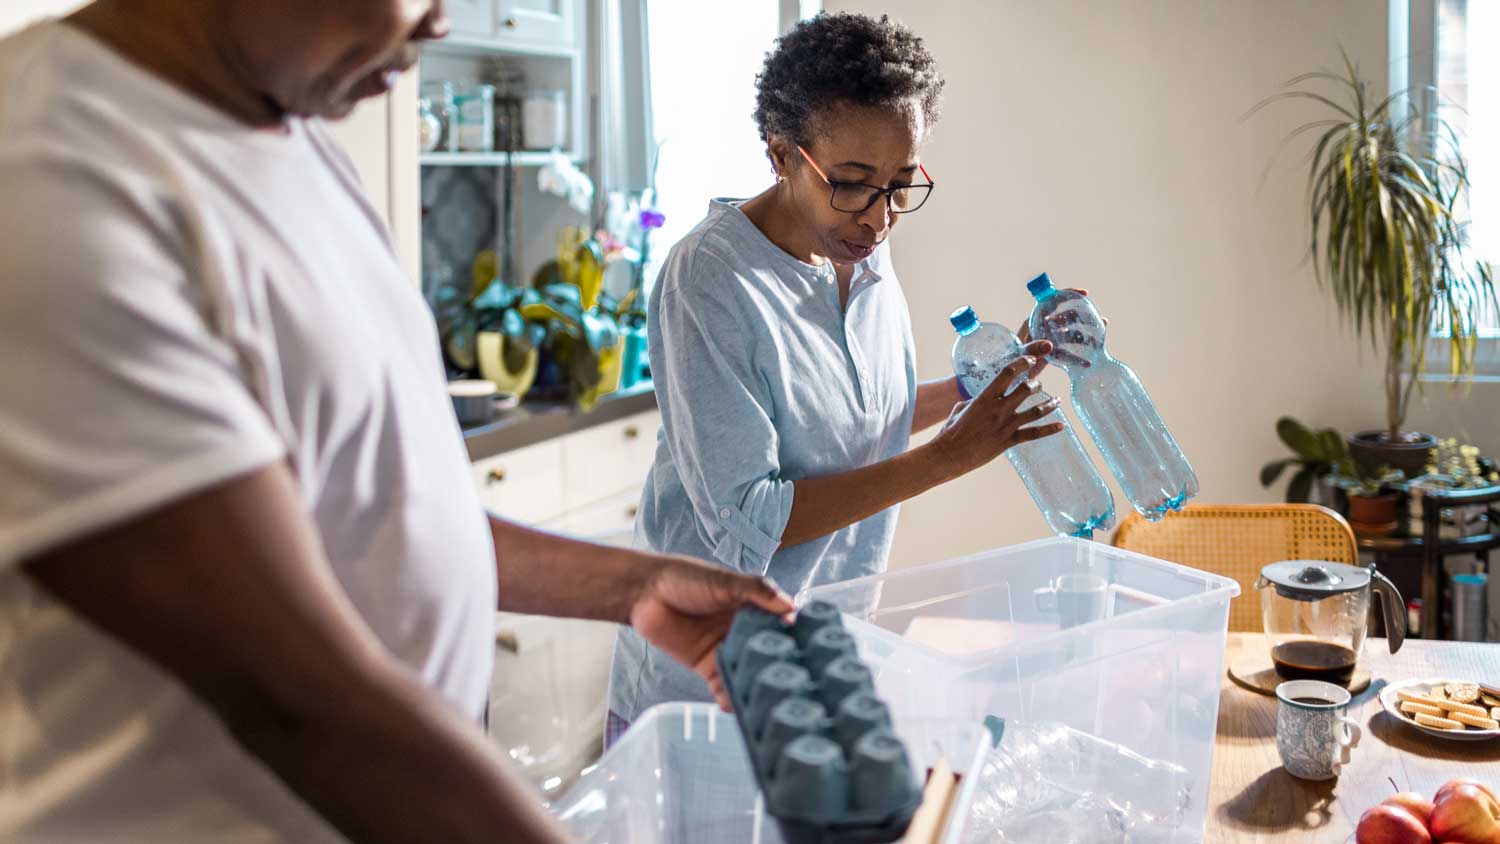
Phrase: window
x=702 y=78
x=1447 y=58
x=1468 y=84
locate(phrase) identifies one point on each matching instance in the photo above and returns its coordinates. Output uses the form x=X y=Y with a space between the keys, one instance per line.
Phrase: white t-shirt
x=183 y=300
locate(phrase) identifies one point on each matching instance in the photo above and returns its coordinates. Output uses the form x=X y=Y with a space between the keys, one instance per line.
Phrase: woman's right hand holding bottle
x=984 y=427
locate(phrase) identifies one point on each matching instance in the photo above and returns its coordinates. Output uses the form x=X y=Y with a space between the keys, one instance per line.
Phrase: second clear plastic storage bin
x=681 y=775
x=1122 y=647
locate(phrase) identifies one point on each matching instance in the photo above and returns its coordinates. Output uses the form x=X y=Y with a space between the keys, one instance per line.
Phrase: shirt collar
x=864 y=271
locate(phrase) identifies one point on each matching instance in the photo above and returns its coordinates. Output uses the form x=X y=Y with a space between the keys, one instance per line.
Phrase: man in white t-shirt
x=246 y=587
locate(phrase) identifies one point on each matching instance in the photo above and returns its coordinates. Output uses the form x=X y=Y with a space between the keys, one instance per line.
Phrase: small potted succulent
x=1372 y=502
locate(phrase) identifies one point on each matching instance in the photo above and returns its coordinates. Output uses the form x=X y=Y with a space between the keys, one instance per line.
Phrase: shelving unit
x=524 y=158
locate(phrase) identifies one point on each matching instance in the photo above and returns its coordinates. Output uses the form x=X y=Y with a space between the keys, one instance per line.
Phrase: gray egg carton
x=820 y=741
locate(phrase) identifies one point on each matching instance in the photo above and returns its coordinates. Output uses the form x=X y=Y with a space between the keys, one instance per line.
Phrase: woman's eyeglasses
x=858 y=197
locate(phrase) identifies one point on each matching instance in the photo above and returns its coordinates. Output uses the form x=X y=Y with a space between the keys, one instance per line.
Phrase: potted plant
x=1315 y=454
x=484 y=332
x=1455 y=465
x=1387 y=242
x=1372 y=503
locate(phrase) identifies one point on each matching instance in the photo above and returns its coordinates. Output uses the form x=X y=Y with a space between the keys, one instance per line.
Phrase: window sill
x=1486 y=362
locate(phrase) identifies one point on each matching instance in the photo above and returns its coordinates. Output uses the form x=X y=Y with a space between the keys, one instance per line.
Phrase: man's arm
x=682 y=606
x=228 y=590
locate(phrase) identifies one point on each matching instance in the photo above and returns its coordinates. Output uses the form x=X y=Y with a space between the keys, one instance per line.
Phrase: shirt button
x=724 y=513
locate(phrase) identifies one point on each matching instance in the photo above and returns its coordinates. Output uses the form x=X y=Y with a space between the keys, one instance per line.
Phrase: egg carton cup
x=821 y=743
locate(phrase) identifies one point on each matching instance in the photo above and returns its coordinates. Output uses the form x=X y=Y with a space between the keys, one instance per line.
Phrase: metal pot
x=473 y=401
x=1373 y=449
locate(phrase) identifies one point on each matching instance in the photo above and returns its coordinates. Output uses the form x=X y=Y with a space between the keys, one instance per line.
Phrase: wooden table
x=1252 y=798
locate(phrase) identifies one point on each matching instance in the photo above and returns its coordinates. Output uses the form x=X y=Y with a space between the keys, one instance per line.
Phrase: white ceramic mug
x=1313 y=735
x=1074 y=598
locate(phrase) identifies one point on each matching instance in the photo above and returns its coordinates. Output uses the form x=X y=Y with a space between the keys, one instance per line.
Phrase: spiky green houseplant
x=1385 y=205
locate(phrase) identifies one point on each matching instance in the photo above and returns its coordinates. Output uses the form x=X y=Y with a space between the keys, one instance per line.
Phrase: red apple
x=1465 y=813
x=1419 y=807
x=1390 y=825
x=1452 y=784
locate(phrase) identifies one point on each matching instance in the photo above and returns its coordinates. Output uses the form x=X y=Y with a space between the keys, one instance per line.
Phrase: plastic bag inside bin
x=681 y=774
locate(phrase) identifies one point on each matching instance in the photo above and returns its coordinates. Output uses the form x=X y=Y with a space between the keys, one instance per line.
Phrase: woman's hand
x=983 y=428
x=1058 y=322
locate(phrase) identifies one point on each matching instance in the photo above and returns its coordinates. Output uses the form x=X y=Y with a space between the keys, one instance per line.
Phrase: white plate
x=1392 y=704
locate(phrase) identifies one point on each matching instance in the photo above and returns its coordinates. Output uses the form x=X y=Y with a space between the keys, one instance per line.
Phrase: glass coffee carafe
x=1315 y=616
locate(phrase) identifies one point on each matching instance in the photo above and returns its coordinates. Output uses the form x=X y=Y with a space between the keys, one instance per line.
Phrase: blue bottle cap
x=964 y=320
x=1039 y=285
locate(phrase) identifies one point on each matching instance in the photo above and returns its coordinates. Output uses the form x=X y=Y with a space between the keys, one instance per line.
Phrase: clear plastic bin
x=680 y=775
x=1118 y=645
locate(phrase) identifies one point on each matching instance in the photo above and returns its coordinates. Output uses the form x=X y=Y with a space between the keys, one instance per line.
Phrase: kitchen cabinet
x=539 y=23
x=547 y=695
x=608 y=459
x=547 y=698
x=525 y=485
x=560 y=482
x=471 y=17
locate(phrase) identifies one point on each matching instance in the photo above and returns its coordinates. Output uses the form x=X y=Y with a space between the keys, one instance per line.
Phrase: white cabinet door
x=547 y=696
x=471 y=17
x=549 y=23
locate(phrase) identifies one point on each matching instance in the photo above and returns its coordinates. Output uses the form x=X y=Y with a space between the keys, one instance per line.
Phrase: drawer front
x=609 y=459
x=525 y=485
x=611 y=521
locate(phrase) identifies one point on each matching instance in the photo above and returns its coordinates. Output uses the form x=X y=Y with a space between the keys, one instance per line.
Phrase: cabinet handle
x=632 y=432
x=508 y=641
x=509 y=23
x=495 y=476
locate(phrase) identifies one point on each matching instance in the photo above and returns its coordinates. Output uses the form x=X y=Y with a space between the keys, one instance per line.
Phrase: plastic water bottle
x=1046 y=782
x=1056 y=470
x=1113 y=405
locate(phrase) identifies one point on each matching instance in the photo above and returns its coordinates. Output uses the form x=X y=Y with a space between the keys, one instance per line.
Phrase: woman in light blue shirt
x=782 y=348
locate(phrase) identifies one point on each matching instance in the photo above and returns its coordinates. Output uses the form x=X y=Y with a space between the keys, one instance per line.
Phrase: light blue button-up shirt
x=762 y=379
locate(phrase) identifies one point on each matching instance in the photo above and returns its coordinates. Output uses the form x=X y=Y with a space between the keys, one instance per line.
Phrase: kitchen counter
x=537 y=421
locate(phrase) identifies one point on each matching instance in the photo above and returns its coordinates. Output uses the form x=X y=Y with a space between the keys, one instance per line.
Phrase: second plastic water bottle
x=1113 y=405
x=1056 y=470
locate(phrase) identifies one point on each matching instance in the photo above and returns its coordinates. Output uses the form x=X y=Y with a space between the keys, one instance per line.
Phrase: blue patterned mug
x=1313 y=735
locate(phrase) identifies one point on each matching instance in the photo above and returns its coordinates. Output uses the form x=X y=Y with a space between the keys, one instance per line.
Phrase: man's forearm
x=545 y=574
x=400 y=766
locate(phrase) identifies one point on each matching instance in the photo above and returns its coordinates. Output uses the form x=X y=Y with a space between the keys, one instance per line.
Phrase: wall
x=1104 y=143
x=15 y=14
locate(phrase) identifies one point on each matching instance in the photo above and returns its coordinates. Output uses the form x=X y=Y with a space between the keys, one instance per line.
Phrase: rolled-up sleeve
x=718 y=416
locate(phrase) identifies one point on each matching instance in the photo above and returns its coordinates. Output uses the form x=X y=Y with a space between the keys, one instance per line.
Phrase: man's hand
x=685 y=608
x=680 y=605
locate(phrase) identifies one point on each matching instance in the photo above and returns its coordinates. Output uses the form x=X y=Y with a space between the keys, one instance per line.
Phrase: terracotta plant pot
x=1373 y=449
x=1373 y=516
